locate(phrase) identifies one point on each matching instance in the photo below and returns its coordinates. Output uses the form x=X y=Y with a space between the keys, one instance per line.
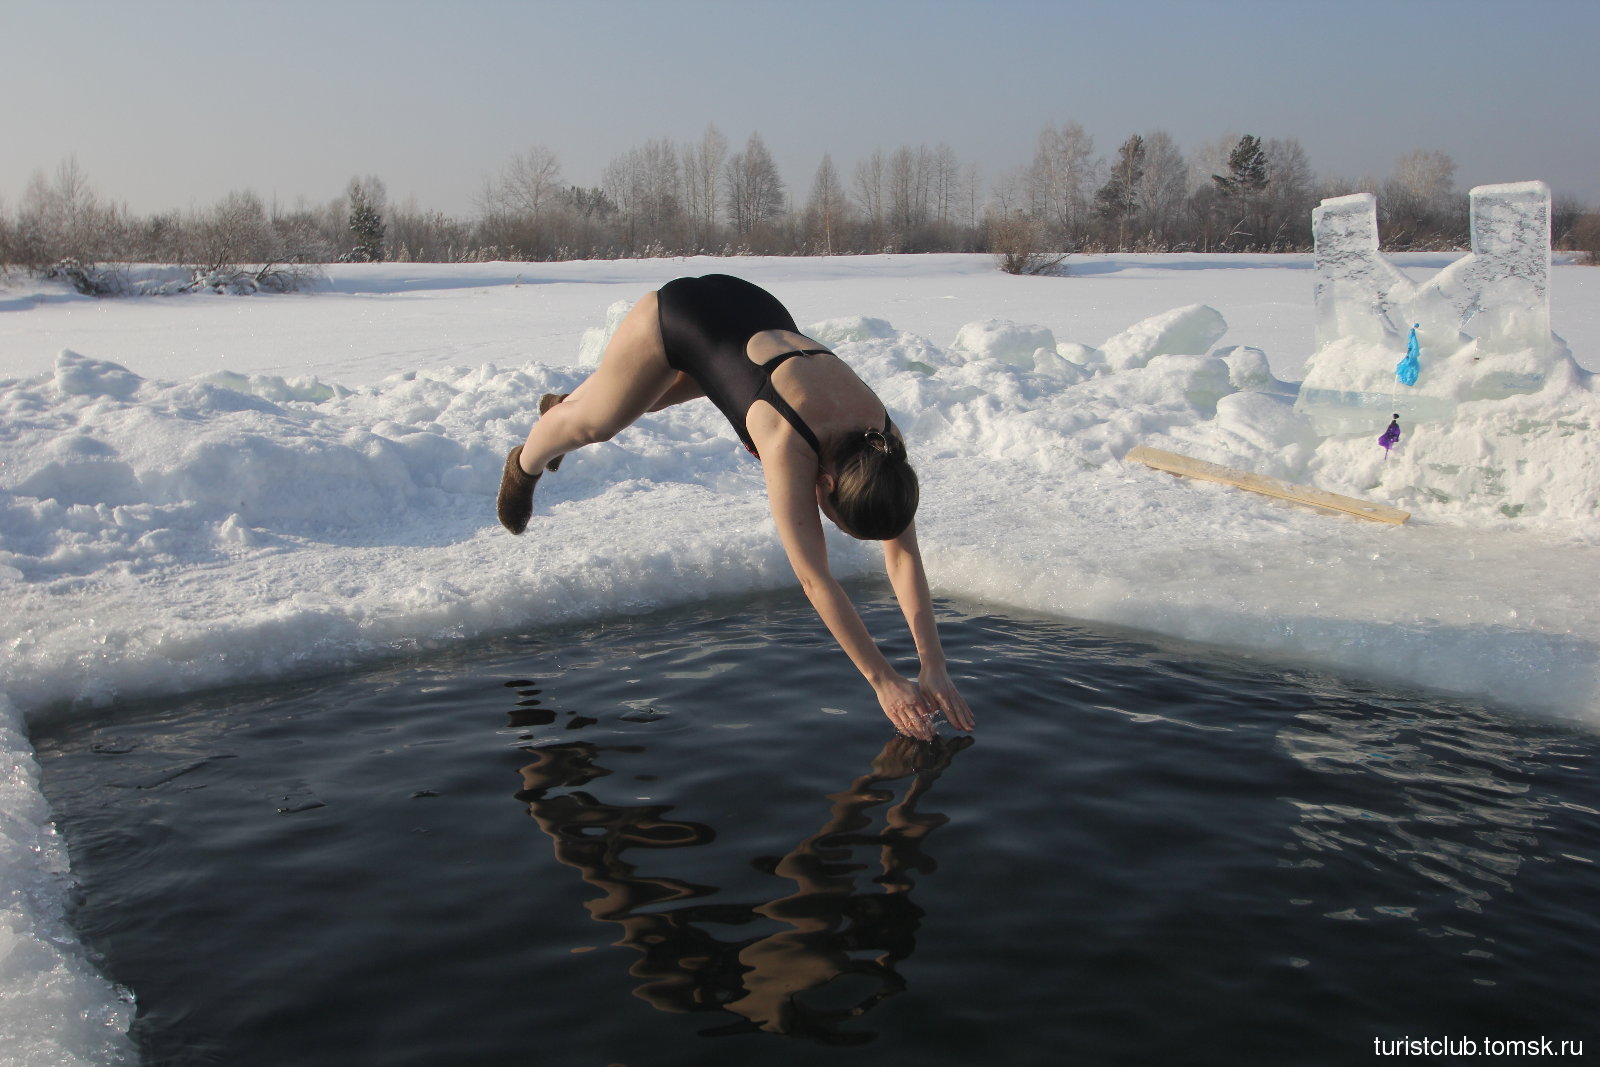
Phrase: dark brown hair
x=875 y=490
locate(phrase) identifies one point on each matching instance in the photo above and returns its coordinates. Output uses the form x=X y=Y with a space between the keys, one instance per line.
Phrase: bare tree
x=867 y=188
x=826 y=207
x=526 y=186
x=702 y=171
x=910 y=195
x=663 y=192
x=1162 y=188
x=754 y=189
x=1586 y=238
x=1565 y=213
x=422 y=236
x=8 y=250
x=1061 y=180
x=1208 y=158
x=1288 y=198
x=1419 y=205
x=1009 y=193
x=518 y=203
x=945 y=184
x=971 y=192
x=645 y=184
x=1019 y=245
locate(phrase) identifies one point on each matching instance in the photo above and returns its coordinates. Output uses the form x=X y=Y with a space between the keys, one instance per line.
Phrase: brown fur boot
x=546 y=402
x=515 y=505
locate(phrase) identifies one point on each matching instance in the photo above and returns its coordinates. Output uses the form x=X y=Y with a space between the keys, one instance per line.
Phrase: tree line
x=664 y=198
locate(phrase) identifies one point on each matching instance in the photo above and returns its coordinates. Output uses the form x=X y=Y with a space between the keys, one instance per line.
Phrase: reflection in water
x=790 y=981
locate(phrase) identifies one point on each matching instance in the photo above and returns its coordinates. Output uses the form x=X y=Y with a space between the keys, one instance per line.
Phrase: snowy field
x=202 y=490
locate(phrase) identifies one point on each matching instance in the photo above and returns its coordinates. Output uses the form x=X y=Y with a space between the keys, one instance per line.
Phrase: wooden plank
x=1189 y=467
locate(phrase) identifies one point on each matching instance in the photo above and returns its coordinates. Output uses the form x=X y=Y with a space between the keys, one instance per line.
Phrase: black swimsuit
x=706 y=326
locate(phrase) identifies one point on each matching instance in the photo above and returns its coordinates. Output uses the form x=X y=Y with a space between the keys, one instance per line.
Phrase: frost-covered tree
x=312 y=233
x=233 y=232
x=367 y=198
x=1419 y=206
x=234 y=247
x=62 y=218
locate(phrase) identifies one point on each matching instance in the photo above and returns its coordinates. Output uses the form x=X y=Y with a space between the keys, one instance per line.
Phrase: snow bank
x=275 y=525
x=55 y=1009
x=1182 y=331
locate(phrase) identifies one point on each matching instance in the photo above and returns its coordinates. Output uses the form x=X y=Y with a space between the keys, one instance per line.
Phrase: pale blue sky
x=171 y=105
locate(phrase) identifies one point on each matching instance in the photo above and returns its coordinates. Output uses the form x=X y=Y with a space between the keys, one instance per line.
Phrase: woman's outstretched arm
x=794 y=509
x=902 y=558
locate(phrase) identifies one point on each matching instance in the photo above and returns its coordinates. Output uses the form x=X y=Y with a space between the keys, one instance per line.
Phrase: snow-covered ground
x=203 y=489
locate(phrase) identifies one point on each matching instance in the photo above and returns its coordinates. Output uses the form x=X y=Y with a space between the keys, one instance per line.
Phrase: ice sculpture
x=1483 y=322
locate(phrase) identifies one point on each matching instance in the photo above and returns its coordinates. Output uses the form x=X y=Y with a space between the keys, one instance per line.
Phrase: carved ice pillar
x=1501 y=293
x=1483 y=321
x=1357 y=288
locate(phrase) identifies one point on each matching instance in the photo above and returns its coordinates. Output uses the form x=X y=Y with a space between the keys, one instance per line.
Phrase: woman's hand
x=907 y=707
x=939 y=693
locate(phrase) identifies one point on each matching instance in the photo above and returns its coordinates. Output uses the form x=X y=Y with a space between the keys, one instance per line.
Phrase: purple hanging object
x=1391 y=436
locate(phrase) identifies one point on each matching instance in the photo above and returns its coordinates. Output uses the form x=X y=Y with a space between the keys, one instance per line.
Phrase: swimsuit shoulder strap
x=771 y=395
x=772 y=364
x=790 y=415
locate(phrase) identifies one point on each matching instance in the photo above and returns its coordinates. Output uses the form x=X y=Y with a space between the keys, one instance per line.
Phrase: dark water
x=691 y=838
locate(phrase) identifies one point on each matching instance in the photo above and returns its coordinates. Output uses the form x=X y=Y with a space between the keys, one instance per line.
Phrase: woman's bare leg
x=683 y=388
x=633 y=377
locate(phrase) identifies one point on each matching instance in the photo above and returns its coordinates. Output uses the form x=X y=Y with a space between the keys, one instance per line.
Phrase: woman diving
x=826 y=444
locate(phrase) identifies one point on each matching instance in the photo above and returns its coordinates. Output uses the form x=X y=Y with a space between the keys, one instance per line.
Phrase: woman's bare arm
x=902 y=559
x=791 y=491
